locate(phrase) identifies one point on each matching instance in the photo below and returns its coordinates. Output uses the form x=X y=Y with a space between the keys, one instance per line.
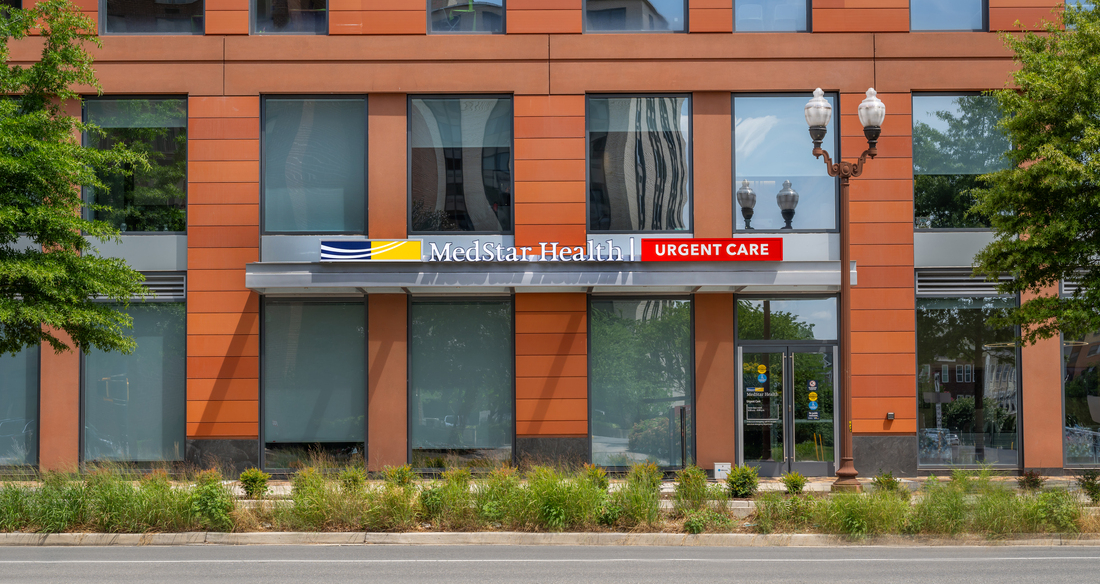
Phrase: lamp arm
x=844 y=169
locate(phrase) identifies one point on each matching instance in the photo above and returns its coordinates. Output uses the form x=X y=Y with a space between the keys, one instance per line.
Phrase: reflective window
x=770 y=15
x=639 y=168
x=1082 y=398
x=787 y=320
x=19 y=408
x=461 y=383
x=135 y=405
x=635 y=15
x=289 y=17
x=315 y=165
x=152 y=16
x=955 y=139
x=467 y=15
x=314 y=382
x=461 y=163
x=11 y=4
x=968 y=417
x=152 y=199
x=640 y=382
x=946 y=15
x=772 y=148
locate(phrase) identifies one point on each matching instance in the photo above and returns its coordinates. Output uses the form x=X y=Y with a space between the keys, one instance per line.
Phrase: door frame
x=788 y=348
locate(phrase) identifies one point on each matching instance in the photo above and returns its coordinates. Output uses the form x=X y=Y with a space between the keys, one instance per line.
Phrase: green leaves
x=1045 y=208
x=51 y=277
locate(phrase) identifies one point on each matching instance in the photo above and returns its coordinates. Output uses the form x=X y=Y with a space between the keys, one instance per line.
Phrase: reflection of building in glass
x=290 y=16
x=467 y=16
x=627 y=15
x=770 y=15
x=1082 y=400
x=153 y=16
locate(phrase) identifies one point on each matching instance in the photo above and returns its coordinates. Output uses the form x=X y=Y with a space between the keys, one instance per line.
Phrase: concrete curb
x=520 y=538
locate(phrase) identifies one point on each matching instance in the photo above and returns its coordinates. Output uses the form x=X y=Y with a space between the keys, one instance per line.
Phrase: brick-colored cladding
x=226 y=17
x=860 y=15
x=544 y=16
x=551 y=365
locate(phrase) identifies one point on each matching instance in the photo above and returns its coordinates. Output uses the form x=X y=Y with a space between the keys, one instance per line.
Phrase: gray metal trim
x=948 y=249
x=931 y=283
x=478 y=277
x=168 y=286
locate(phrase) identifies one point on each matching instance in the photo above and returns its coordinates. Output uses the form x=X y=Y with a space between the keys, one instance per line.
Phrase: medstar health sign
x=756 y=249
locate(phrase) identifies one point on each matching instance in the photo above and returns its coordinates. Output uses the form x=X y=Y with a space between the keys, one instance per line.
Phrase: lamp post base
x=846 y=480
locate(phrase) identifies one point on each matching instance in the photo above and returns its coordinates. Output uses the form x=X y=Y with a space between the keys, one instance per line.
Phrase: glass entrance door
x=787 y=409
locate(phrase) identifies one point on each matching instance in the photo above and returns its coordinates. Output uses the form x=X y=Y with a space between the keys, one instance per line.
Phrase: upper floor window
x=152 y=199
x=771 y=15
x=460 y=160
x=11 y=4
x=787 y=188
x=289 y=17
x=635 y=15
x=639 y=165
x=932 y=15
x=315 y=164
x=955 y=140
x=151 y=16
x=485 y=16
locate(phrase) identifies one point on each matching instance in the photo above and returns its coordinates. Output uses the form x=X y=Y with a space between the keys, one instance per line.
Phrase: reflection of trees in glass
x=640 y=364
x=982 y=410
x=947 y=161
x=461 y=373
x=150 y=199
x=755 y=320
x=1082 y=400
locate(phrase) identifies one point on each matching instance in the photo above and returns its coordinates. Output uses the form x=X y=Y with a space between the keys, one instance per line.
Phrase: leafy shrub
x=886 y=481
x=1089 y=482
x=706 y=520
x=691 y=489
x=254 y=483
x=1031 y=480
x=499 y=496
x=394 y=508
x=776 y=512
x=860 y=515
x=451 y=503
x=743 y=482
x=639 y=498
x=212 y=502
x=401 y=476
x=556 y=501
x=596 y=475
x=353 y=479
x=941 y=508
x=794 y=482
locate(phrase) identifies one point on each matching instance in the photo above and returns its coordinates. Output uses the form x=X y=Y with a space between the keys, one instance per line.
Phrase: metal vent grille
x=1070 y=286
x=168 y=286
x=955 y=283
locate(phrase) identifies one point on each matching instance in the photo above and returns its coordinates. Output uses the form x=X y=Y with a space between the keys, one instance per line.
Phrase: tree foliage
x=1045 y=207
x=50 y=275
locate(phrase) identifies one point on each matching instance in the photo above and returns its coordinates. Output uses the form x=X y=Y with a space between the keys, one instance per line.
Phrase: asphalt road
x=572 y=565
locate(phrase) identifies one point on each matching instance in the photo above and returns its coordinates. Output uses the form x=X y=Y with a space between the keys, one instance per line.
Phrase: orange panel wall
x=551 y=365
x=550 y=170
x=1003 y=14
x=1041 y=400
x=715 y=379
x=883 y=321
x=387 y=188
x=710 y=16
x=223 y=235
x=59 y=408
x=860 y=15
x=387 y=380
x=227 y=17
x=377 y=17
x=544 y=16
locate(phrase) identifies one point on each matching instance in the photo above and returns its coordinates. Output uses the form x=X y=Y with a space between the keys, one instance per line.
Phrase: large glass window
x=787 y=320
x=771 y=15
x=153 y=199
x=289 y=17
x=933 y=15
x=640 y=382
x=460 y=152
x=315 y=165
x=152 y=16
x=314 y=384
x=955 y=139
x=19 y=408
x=461 y=383
x=771 y=149
x=967 y=385
x=1081 y=383
x=486 y=16
x=135 y=405
x=639 y=166
x=635 y=16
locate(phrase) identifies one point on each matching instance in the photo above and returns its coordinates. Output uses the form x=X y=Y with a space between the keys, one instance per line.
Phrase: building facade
x=447 y=233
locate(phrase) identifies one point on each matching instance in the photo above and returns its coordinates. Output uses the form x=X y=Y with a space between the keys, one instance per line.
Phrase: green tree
x=50 y=275
x=1045 y=207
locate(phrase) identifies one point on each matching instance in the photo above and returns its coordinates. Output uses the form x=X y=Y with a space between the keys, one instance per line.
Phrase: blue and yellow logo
x=375 y=250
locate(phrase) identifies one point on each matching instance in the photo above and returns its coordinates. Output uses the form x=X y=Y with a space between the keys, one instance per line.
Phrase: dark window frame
x=86 y=212
x=366 y=161
x=252 y=13
x=984 y=28
x=503 y=24
x=408 y=161
x=837 y=155
x=102 y=28
x=411 y=299
x=809 y=21
x=690 y=150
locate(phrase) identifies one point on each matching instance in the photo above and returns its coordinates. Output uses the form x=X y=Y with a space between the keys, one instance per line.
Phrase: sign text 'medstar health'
x=757 y=249
x=760 y=249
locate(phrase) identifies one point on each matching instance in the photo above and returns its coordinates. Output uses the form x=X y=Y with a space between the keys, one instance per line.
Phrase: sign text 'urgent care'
x=759 y=249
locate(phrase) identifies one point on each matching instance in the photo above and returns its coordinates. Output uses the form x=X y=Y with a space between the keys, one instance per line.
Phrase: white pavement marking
x=547 y=561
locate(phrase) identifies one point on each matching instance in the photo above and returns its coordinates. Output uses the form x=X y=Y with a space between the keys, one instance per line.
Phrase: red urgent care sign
x=754 y=249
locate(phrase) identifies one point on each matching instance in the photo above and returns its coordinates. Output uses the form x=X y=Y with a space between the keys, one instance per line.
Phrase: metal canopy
x=505 y=277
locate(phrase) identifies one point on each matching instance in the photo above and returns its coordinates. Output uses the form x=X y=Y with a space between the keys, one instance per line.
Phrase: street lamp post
x=872 y=112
